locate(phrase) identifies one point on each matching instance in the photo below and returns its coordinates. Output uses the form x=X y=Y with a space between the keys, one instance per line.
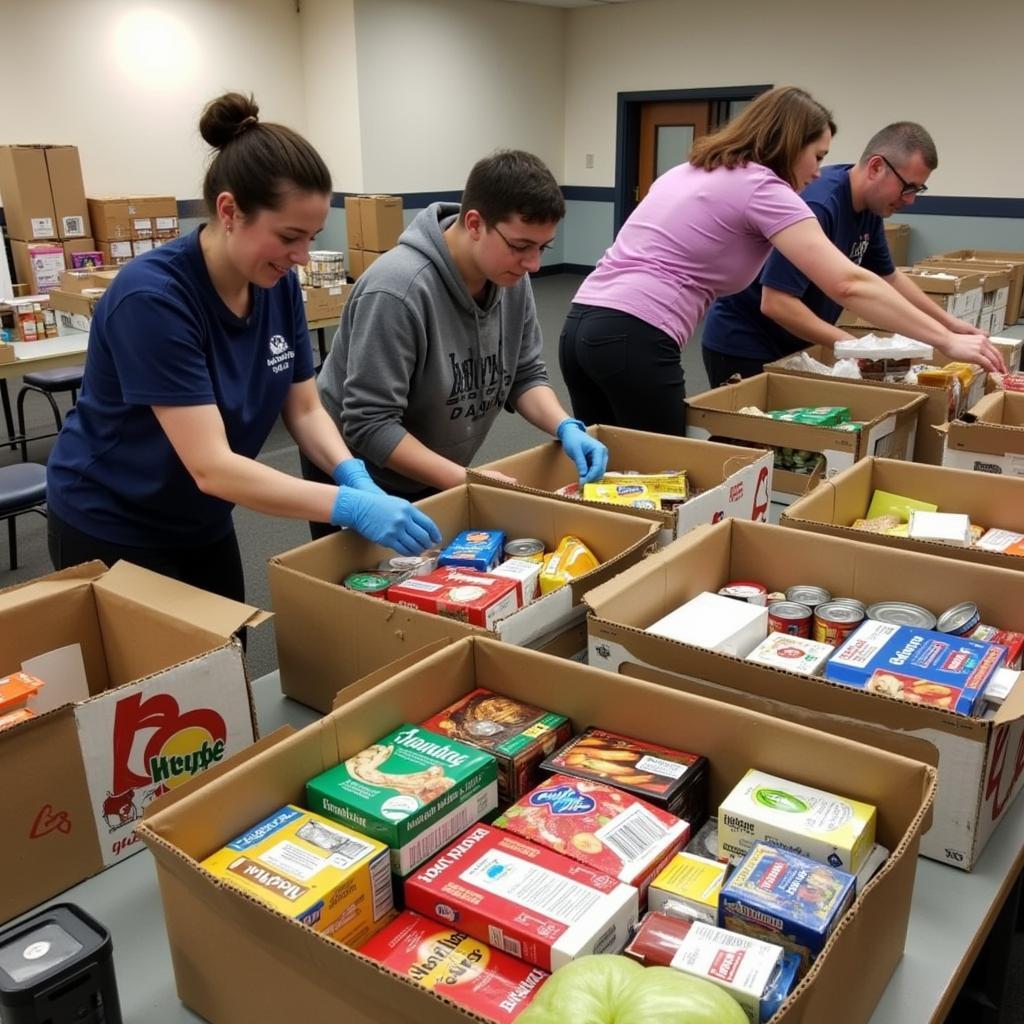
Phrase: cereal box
x=688 y=886
x=792 y=653
x=465 y=970
x=810 y=822
x=518 y=735
x=413 y=790
x=601 y=826
x=474 y=549
x=524 y=899
x=464 y=594
x=322 y=874
x=782 y=897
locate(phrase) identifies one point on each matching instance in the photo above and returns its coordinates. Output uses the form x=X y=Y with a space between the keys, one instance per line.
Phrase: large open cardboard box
x=981 y=259
x=988 y=500
x=235 y=960
x=328 y=637
x=889 y=418
x=168 y=694
x=728 y=480
x=980 y=768
x=992 y=440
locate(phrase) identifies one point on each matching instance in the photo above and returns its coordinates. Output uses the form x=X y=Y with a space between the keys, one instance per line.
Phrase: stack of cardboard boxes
x=127 y=226
x=374 y=224
x=44 y=205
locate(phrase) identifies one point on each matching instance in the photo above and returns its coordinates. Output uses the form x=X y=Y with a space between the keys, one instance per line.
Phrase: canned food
x=373 y=584
x=852 y=602
x=529 y=548
x=834 y=621
x=960 y=620
x=791 y=618
x=410 y=565
x=802 y=593
x=901 y=613
x=746 y=590
x=325 y=269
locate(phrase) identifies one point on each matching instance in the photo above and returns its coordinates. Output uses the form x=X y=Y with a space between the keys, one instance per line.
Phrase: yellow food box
x=656 y=483
x=314 y=870
x=631 y=494
x=688 y=886
x=571 y=559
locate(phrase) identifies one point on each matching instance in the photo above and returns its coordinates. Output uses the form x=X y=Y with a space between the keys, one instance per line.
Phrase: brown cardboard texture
x=980 y=772
x=25 y=193
x=374 y=222
x=111 y=219
x=325 y=303
x=328 y=636
x=889 y=418
x=988 y=501
x=236 y=960
x=979 y=258
x=728 y=480
x=69 y=206
x=167 y=696
x=992 y=440
x=898 y=237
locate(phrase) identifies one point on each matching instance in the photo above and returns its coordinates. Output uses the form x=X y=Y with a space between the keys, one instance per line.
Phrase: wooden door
x=667 y=133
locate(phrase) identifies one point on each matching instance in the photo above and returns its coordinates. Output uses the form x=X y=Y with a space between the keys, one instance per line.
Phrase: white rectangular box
x=716 y=623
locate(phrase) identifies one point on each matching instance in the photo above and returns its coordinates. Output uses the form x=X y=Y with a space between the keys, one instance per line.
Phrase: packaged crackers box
x=673 y=780
x=465 y=970
x=413 y=790
x=464 y=594
x=474 y=549
x=825 y=827
x=518 y=735
x=782 y=897
x=919 y=666
x=688 y=887
x=600 y=826
x=307 y=868
x=526 y=900
x=792 y=653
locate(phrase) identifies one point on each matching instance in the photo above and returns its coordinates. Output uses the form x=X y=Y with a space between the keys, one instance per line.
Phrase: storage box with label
x=958 y=292
x=25 y=194
x=978 y=259
x=979 y=773
x=888 y=422
x=373 y=222
x=325 y=303
x=329 y=636
x=995 y=292
x=144 y=688
x=64 y=169
x=236 y=960
x=991 y=440
x=38 y=265
x=722 y=480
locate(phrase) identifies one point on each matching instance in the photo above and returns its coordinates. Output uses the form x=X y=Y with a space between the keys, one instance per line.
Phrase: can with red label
x=746 y=590
x=791 y=618
x=834 y=621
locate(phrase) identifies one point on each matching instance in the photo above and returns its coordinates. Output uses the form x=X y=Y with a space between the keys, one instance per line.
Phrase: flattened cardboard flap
x=392 y=668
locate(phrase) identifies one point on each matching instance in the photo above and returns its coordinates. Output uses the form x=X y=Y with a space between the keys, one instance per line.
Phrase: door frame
x=627 y=133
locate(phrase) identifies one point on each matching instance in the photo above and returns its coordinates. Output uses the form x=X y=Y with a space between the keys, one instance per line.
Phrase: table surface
x=949 y=909
x=49 y=354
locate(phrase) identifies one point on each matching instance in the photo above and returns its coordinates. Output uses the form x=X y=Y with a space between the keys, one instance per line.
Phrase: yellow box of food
x=688 y=886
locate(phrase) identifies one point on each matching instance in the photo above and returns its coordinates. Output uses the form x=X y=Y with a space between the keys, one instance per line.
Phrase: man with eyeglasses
x=441 y=333
x=783 y=312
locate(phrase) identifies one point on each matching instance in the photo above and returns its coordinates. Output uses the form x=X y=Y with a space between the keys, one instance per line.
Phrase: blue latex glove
x=353 y=473
x=590 y=456
x=386 y=520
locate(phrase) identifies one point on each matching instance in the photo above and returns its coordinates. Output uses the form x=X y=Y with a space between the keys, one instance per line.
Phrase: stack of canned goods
x=324 y=270
x=396 y=569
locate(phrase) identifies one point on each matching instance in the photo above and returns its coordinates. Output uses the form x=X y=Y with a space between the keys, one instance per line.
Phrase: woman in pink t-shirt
x=703 y=231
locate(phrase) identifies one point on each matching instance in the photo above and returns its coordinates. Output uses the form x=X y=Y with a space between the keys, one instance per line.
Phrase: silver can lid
x=901 y=613
x=957 y=618
x=852 y=602
x=839 y=612
x=802 y=593
x=789 y=610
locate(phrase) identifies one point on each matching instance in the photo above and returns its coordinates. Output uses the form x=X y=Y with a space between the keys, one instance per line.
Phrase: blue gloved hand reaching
x=386 y=520
x=590 y=456
x=353 y=473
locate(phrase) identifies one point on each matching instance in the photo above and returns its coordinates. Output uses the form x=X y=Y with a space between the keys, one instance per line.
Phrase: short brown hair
x=512 y=182
x=771 y=131
x=899 y=141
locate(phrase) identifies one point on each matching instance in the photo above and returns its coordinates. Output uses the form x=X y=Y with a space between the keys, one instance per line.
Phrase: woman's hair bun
x=226 y=117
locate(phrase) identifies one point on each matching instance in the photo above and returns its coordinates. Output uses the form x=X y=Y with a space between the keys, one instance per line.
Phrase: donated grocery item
x=872 y=865
x=955 y=378
x=570 y=560
x=786 y=898
x=999 y=686
x=792 y=653
x=962 y=619
x=948 y=527
x=999 y=540
x=920 y=666
x=1013 y=642
x=525 y=572
x=412 y=790
x=803 y=593
x=813 y=416
x=790 y=617
x=834 y=621
x=474 y=549
x=372 y=584
x=9 y=718
x=688 y=887
x=600 y=826
x=884 y=503
x=411 y=565
x=878 y=524
x=797 y=460
x=852 y=602
x=313 y=870
x=630 y=494
x=716 y=623
x=901 y=613
x=671 y=779
x=529 y=548
x=464 y=594
x=746 y=590
x=1007 y=381
x=705 y=842
x=529 y=901
x=886 y=359
x=828 y=828
x=518 y=735
x=16 y=690
x=465 y=970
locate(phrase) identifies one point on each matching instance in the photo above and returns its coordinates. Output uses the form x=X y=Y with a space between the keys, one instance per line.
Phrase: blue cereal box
x=781 y=897
x=919 y=666
x=474 y=549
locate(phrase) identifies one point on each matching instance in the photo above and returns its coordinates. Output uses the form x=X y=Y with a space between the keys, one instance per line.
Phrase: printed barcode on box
x=73 y=225
x=380 y=886
x=513 y=946
x=659 y=766
x=495 y=936
x=440 y=834
x=633 y=833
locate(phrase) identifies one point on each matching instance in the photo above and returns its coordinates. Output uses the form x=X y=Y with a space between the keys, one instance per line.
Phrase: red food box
x=456 y=966
x=524 y=899
x=464 y=594
x=600 y=826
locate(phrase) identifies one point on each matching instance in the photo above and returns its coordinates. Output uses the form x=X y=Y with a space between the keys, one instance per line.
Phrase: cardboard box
x=167 y=695
x=958 y=291
x=978 y=259
x=325 y=303
x=358 y=261
x=236 y=961
x=25 y=193
x=110 y=218
x=76 y=246
x=993 y=440
x=980 y=772
x=374 y=222
x=898 y=237
x=65 y=172
x=889 y=418
x=328 y=637
x=39 y=265
x=729 y=480
x=115 y=254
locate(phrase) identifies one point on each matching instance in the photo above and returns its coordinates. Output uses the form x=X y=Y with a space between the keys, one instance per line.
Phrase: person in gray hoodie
x=441 y=333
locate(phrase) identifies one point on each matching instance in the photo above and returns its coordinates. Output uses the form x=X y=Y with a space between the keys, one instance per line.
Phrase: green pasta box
x=413 y=790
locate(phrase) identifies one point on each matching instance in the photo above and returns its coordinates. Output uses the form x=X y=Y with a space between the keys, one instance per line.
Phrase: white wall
x=953 y=67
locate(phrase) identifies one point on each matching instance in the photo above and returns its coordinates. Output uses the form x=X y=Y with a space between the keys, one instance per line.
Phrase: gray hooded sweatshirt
x=416 y=354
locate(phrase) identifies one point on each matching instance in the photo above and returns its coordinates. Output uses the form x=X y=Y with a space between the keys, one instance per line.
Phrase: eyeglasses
x=909 y=188
x=523 y=248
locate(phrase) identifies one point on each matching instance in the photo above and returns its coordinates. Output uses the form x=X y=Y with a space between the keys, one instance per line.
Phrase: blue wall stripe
x=965 y=206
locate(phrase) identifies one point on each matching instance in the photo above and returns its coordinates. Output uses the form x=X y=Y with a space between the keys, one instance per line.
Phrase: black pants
x=721 y=367
x=214 y=567
x=622 y=371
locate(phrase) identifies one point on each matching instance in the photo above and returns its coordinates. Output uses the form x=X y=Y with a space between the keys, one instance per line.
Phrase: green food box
x=413 y=790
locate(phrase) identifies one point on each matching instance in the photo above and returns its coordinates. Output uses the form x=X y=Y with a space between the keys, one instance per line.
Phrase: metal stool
x=47 y=383
x=22 y=489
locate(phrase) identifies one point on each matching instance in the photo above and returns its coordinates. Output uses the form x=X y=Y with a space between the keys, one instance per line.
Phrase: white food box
x=950 y=527
x=792 y=653
x=716 y=623
x=998 y=540
x=525 y=572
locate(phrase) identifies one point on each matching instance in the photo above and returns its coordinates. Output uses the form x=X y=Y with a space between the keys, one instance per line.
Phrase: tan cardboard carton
x=898 y=237
x=166 y=695
x=39 y=265
x=957 y=290
x=65 y=172
x=325 y=303
x=374 y=222
x=728 y=480
x=980 y=770
x=328 y=636
x=115 y=253
x=111 y=220
x=992 y=441
x=237 y=961
x=889 y=418
x=359 y=260
x=1002 y=258
x=25 y=194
